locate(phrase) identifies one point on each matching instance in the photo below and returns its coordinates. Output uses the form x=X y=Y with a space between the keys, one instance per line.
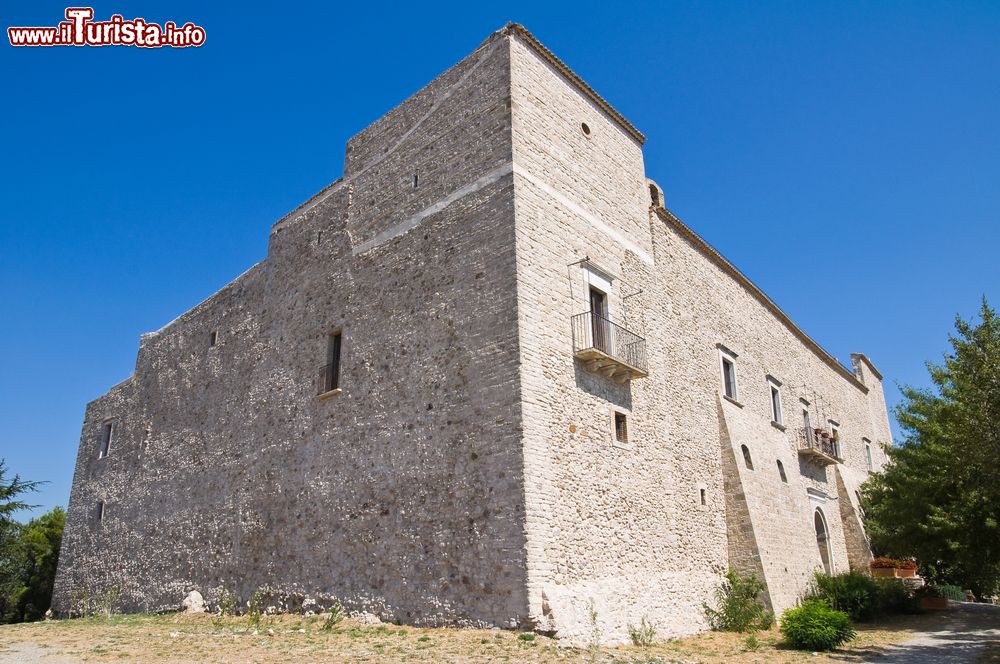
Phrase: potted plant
x=931 y=598
x=885 y=567
x=907 y=569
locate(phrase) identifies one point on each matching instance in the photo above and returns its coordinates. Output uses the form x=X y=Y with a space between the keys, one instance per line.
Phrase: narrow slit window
x=747 y=461
x=100 y=510
x=868 y=455
x=106 y=433
x=781 y=472
x=213 y=338
x=621 y=427
x=415 y=180
x=703 y=501
x=330 y=374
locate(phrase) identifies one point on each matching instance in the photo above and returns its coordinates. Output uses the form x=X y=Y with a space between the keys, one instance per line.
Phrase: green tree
x=37 y=553
x=15 y=568
x=10 y=493
x=939 y=497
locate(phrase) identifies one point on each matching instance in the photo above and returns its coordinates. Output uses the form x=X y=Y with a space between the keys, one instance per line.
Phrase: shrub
x=643 y=635
x=816 y=626
x=927 y=591
x=738 y=609
x=954 y=593
x=854 y=593
x=896 y=597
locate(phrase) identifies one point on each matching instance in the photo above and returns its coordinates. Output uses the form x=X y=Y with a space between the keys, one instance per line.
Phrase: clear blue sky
x=846 y=156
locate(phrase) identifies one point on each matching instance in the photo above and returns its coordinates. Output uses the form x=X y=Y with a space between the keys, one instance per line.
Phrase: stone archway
x=823 y=540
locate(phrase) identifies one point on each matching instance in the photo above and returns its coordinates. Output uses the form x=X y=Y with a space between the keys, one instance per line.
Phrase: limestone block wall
x=708 y=306
x=617 y=529
x=403 y=494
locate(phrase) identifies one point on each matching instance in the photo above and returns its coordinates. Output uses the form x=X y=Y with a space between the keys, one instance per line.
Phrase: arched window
x=746 y=458
x=654 y=195
x=781 y=472
x=823 y=540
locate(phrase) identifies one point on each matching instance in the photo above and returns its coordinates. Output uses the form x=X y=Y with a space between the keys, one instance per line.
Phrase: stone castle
x=485 y=378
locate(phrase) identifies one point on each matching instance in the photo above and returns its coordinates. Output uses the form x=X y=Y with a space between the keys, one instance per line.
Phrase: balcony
x=818 y=445
x=608 y=349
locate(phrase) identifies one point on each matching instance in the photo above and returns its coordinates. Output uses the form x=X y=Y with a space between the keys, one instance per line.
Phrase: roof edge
x=864 y=358
x=757 y=293
x=560 y=66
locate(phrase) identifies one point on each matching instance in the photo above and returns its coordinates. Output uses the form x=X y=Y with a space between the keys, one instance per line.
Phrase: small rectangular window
x=330 y=373
x=868 y=455
x=703 y=501
x=775 y=401
x=213 y=337
x=729 y=375
x=106 y=432
x=621 y=427
x=100 y=510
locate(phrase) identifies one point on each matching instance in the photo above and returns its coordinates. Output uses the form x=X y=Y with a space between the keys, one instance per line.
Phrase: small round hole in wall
x=585 y=127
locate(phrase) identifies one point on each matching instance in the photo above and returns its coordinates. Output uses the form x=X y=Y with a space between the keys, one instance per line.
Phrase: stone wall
x=401 y=495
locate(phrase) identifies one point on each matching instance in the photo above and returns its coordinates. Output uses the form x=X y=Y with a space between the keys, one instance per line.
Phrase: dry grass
x=182 y=638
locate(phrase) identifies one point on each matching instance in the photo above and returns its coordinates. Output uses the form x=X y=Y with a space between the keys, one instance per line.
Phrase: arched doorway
x=823 y=540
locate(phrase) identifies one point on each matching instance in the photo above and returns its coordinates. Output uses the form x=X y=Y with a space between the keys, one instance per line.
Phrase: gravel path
x=29 y=653
x=963 y=638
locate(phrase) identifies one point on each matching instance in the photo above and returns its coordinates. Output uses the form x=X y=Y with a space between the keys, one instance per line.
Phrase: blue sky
x=846 y=156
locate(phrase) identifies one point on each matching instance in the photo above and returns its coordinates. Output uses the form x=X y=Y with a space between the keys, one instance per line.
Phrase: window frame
x=107 y=437
x=869 y=460
x=334 y=364
x=777 y=409
x=728 y=356
x=629 y=442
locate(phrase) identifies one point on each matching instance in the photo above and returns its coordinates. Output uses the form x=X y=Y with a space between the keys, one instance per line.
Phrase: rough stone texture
x=194 y=602
x=468 y=472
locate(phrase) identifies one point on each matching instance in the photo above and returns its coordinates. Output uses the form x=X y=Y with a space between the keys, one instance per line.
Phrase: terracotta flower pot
x=934 y=603
x=905 y=573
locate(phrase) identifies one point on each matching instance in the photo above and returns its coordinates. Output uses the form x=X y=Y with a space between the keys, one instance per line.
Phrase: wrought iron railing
x=329 y=377
x=593 y=331
x=819 y=441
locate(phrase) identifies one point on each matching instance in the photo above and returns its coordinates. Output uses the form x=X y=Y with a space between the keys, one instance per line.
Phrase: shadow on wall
x=811 y=470
x=744 y=554
x=619 y=394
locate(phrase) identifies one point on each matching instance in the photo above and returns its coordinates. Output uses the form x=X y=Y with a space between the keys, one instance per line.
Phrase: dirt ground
x=204 y=638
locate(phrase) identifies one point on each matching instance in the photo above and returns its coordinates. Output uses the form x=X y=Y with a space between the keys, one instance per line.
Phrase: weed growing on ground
x=642 y=635
x=333 y=616
x=255 y=609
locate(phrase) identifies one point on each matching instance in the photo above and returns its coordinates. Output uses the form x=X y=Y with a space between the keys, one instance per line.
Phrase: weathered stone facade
x=468 y=470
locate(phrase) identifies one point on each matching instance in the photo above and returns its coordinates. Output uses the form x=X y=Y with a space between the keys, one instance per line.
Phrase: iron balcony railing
x=328 y=378
x=593 y=332
x=819 y=441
